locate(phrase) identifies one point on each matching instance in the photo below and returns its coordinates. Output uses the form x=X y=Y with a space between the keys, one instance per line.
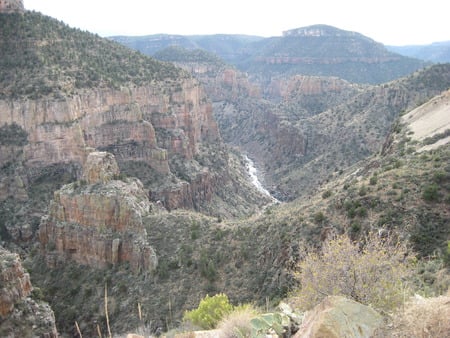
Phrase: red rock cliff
x=98 y=221
x=21 y=316
x=142 y=124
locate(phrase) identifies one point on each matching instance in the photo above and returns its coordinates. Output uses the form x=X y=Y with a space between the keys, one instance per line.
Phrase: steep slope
x=222 y=82
x=22 y=313
x=430 y=123
x=299 y=147
x=64 y=93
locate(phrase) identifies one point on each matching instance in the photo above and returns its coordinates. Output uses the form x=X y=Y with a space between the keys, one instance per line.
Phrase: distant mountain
x=326 y=51
x=435 y=52
x=317 y=50
x=226 y=46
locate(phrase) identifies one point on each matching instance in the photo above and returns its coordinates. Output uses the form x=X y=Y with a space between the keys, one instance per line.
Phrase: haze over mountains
x=125 y=173
x=435 y=52
x=315 y=50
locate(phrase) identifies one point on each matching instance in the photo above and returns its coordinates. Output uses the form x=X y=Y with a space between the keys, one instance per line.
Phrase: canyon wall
x=140 y=124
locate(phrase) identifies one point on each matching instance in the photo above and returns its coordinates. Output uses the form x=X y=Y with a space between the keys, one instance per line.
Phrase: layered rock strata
x=21 y=316
x=97 y=221
x=148 y=124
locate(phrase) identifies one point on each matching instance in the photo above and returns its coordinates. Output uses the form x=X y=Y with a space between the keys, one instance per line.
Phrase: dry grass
x=237 y=324
x=423 y=318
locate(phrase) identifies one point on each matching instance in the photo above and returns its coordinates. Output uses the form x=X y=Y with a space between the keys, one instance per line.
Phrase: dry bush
x=237 y=323
x=423 y=318
x=372 y=273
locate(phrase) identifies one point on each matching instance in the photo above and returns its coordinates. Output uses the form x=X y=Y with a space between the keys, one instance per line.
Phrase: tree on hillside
x=372 y=273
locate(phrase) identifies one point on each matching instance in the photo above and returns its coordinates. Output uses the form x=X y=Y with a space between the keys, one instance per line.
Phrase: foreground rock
x=337 y=317
x=98 y=221
x=21 y=316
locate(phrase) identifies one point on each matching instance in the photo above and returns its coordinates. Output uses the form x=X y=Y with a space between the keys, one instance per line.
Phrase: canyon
x=119 y=172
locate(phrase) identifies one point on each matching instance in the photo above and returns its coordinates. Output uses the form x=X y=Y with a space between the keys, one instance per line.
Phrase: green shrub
x=319 y=217
x=362 y=190
x=326 y=194
x=431 y=193
x=210 y=311
x=447 y=255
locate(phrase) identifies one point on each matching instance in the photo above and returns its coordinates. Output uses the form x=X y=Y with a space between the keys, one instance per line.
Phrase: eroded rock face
x=21 y=316
x=15 y=282
x=337 y=317
x=141 y=124
x=11 y=6
x=98 y=221
x=101 y=167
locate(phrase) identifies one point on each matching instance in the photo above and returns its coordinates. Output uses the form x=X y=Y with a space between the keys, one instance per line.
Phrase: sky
x=391 y=22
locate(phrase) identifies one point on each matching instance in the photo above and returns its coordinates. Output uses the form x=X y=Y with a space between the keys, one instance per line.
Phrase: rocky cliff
x=220 y=80
x=122 y=120
x=11 y=6
x=98 y=221
x=147 y=124
x=20 y=315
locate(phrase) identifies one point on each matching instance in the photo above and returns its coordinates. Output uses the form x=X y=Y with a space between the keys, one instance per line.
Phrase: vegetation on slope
x=41 y=56
x=180 y=54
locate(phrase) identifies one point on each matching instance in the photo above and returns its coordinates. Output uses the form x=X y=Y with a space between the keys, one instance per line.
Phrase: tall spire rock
x=11 y=6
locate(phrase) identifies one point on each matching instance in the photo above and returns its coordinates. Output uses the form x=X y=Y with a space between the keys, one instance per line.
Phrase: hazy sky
x=394 y=22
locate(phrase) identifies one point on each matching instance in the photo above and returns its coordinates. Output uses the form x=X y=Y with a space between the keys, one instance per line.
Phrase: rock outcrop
x=148 y=125
x=337 y=317
x=11 y=6
x=21 y=316
x=97 y=221
x=123 y=121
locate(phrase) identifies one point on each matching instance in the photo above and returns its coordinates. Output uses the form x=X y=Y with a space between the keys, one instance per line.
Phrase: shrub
x=431 y=193
x=372 y=273
x=423 y=317
x=326 y=194
x=447 y=255
x=319 y=217
x=210 y=311
x=362 y=191
x=238 y=324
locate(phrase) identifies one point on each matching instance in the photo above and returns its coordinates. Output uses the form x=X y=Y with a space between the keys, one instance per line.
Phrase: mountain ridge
x=334 y=52
x=434 y=52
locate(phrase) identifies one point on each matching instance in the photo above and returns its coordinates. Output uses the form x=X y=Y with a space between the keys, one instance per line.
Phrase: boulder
x=337 y=317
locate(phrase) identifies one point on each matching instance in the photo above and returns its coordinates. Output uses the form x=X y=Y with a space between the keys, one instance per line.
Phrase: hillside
x=227 y=47
x=321 y=126
x=41 y=56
